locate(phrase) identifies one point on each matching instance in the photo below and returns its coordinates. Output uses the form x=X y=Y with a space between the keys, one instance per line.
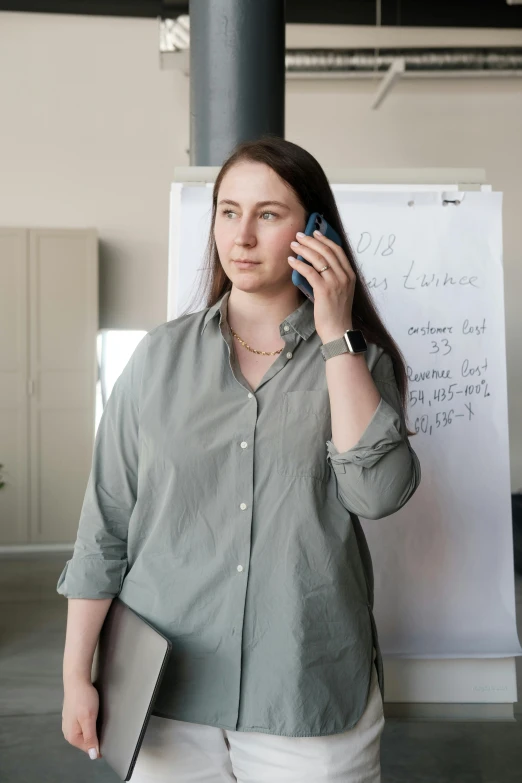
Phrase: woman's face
x=259 y=232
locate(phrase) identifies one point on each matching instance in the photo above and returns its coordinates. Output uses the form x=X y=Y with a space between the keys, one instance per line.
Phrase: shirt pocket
x=304 y=427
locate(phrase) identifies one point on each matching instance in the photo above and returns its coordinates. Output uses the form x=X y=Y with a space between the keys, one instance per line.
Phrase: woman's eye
x=228 y=212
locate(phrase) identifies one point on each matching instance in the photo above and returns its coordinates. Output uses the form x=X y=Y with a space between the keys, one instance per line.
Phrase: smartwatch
x=352 y=341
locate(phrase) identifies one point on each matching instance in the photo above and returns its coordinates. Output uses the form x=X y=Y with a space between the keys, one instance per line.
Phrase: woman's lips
x=246 y=264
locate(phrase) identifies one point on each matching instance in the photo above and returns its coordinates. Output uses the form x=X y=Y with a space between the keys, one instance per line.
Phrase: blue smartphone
x=316 y=222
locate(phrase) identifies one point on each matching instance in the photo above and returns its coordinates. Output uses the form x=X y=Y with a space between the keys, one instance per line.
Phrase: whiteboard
x=443 y=565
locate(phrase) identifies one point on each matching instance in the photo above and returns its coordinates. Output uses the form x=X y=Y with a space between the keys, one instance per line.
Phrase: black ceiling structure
x=403 y=13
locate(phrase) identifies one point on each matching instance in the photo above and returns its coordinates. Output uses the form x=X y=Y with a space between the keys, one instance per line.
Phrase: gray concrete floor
x=33 y=749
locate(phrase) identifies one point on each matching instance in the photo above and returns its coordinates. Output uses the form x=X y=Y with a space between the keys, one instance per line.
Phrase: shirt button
x=242 y=506
x=244 y=444
x=240 y=568
x=289 y=355
x=286 y=327
x=250 y=394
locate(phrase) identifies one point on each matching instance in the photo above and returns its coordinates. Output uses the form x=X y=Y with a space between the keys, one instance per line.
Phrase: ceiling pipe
x=364 y=61
x=388 y=65
x=346 y=63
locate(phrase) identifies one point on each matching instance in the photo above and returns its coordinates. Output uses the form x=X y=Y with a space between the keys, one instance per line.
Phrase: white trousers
x=180 y=752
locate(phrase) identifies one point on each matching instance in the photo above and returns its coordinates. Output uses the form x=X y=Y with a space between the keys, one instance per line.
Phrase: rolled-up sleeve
x=380 y=473
x=99 y=561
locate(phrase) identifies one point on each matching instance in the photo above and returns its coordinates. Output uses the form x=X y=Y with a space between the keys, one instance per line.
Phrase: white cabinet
x=48 y=374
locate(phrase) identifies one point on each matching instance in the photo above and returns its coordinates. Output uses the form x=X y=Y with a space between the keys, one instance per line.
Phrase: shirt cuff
x=383 y=434
x=91 y=577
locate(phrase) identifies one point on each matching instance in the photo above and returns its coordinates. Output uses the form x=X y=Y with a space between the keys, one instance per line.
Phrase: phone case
x=316 y=222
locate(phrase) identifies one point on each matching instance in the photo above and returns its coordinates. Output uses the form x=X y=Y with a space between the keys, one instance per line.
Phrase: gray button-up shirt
x=227 y=518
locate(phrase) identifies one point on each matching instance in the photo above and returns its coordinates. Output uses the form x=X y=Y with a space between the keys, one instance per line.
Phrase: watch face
x=357 y=341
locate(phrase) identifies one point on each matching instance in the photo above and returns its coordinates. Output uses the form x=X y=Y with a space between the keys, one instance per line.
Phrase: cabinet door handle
x=30 y=387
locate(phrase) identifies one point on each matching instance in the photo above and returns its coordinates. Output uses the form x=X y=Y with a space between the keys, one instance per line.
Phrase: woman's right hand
x=79 y=714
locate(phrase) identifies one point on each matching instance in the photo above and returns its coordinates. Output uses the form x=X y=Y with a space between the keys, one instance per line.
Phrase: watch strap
x=338 y=346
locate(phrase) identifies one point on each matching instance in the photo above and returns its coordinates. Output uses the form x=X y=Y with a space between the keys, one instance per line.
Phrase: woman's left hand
x=333 y=289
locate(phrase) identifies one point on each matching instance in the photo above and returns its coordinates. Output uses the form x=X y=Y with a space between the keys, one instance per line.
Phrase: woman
x=231 y=465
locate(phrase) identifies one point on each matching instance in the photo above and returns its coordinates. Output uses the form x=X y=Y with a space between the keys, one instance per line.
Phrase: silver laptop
x=130 y=663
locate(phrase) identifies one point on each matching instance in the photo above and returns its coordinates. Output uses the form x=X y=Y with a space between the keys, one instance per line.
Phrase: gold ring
x=324 y=269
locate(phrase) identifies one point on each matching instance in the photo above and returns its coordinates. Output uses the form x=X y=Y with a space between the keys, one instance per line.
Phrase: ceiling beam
x=402 y=13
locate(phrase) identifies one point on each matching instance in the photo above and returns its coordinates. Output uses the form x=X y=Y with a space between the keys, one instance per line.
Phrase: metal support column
x=237 y=75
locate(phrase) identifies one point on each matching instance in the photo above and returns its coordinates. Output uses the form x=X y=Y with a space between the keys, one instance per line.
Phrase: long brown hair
x=302 y=172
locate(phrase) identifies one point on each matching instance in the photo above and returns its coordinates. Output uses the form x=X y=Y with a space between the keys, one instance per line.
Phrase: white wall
x=90 y=132
x=92 y=127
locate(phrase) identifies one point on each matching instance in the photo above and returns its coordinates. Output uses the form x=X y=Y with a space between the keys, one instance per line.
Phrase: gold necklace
x=265 y=353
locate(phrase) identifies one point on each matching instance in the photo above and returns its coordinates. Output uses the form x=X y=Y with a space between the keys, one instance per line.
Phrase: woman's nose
x=245 y=234
x=244 y=238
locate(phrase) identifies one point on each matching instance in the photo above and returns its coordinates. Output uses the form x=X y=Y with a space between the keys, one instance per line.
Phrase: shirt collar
x=301 y=320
